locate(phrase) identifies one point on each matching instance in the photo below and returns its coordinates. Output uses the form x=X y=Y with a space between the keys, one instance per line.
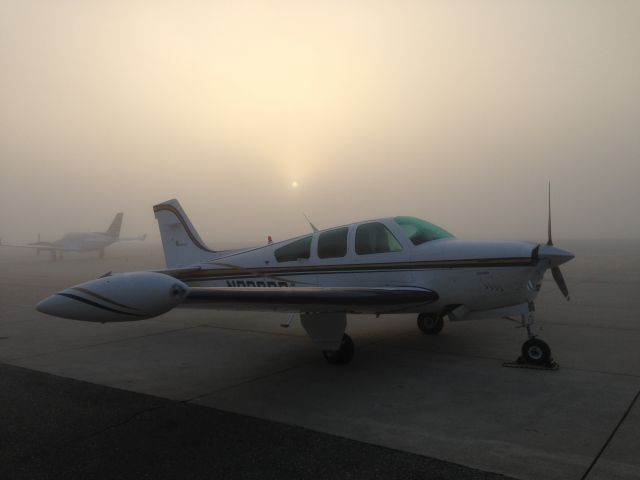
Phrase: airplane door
x=379 y=259
x=334 y=257
x=296 y=264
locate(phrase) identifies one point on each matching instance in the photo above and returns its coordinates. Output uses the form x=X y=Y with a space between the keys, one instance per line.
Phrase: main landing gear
x=430 y=323
x=327 y=332
x=343 y=355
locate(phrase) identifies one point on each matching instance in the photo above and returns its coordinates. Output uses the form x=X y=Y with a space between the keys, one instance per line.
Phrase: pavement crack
x=129 y=419
x=613 y=433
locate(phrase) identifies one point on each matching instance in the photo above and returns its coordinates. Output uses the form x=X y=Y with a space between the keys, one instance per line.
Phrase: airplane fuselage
x=84 y=242
x=479 y=275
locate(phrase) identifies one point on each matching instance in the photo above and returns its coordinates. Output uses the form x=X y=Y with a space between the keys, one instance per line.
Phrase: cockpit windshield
x=420 y=231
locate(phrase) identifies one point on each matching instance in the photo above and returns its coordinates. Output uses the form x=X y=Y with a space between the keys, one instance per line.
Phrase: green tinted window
x=374 y=237
x=420 y=231
x=333 y=244
x=295 y=250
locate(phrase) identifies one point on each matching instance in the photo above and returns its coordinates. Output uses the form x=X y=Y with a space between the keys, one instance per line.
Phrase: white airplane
x=390 y=265
x=81 y=241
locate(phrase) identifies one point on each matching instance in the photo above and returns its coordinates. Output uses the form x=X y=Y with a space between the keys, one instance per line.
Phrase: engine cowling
x=120 y=297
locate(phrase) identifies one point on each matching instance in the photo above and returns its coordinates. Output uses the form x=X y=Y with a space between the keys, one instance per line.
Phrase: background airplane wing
x=310 y=299
x=43 y=246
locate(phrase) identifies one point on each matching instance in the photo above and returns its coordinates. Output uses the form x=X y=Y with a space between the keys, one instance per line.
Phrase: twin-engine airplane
x=82 y=241
x=389 y=265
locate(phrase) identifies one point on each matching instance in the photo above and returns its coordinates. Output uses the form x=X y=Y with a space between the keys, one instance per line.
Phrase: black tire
x=536 y=352
x=430 y=323
x=342 y=356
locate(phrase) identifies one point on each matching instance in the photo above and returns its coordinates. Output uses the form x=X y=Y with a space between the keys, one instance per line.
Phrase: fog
x=454 y=111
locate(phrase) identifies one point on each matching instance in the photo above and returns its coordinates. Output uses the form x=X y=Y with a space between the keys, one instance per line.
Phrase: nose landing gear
x=535 y=352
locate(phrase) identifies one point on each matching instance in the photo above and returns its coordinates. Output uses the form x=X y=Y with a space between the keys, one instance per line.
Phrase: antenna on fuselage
x=313 y=227
x=549 y=241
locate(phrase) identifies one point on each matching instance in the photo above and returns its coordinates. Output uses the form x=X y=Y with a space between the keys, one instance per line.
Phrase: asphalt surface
x=53 y=427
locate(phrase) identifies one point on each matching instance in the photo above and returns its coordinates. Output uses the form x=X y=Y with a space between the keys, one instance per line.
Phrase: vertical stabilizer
x=180 y=241
x=114 y=228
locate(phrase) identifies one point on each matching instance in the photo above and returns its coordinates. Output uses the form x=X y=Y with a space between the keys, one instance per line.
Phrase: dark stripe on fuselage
x=100 y=297
x=295 y=270
x=97 y=305
x=176 y=212
x=314 y=295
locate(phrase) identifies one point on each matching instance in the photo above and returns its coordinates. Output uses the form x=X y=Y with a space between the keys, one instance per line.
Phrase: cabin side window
x=420 y=231
x=294 y=251
x=374 y=237
x=333 y=244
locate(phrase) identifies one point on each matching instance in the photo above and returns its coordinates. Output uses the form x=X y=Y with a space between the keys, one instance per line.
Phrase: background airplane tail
x=114 y=228
x=181 y=242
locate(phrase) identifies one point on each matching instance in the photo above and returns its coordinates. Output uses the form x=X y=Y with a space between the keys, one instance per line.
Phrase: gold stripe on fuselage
x=234 y=271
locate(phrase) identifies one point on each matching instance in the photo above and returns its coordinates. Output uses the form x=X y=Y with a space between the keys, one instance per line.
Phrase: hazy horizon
x=456 y=112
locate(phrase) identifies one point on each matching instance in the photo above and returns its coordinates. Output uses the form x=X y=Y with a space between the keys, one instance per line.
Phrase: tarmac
x=195 y=394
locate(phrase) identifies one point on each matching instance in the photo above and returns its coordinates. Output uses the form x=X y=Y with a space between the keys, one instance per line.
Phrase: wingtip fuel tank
x=117 y=298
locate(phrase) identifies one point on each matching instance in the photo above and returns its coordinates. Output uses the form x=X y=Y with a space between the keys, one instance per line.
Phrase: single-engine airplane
x=81 y=241
x=389 y=265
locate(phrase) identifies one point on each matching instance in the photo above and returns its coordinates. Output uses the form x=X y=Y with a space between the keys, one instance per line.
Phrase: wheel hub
x=430 y=322
x=535 y=352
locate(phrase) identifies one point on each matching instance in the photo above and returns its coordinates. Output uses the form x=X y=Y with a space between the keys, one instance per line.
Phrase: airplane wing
x=40 y=246
x=302 y=298
x=310 y=299
x=138 y=295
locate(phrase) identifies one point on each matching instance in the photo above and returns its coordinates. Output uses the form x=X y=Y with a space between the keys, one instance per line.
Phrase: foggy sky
x=454 y=111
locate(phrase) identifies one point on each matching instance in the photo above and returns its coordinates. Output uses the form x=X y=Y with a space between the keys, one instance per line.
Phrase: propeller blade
x=549 y=241
x=557 y=276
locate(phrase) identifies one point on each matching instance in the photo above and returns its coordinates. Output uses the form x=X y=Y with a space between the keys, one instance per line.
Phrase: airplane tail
x=114 y=228
x=181 y=242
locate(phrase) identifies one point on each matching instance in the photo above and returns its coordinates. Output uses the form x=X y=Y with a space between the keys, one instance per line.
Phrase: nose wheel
x=536 y=352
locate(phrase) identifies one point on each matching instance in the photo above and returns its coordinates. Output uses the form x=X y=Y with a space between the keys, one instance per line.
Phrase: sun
x=294 y=184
